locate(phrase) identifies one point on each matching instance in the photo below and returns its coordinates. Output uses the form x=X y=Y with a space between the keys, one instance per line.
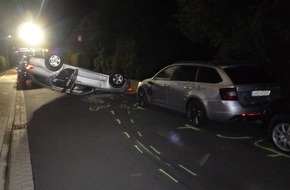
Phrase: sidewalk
x=15 y=163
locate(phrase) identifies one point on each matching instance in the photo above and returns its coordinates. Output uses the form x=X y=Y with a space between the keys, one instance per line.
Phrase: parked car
x=21 y=57
x=21 y=72
x=208 y=91
x=53 y=73
x=276 y=120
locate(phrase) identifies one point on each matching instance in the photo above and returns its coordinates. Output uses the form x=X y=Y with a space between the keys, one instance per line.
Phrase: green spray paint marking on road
x=192 y=173
x=161 y=170
x=276 y=153
x=155 y=150
x=138 y=107
x=204 y=159
x=233 y=138
x=136 y=146
x=94 y=108
x=119 y=121
x=127 y=134
x=113 y=112
x=186 y=126
x=140 y=135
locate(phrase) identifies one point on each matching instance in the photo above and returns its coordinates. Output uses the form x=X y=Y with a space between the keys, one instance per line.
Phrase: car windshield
x=247 y=74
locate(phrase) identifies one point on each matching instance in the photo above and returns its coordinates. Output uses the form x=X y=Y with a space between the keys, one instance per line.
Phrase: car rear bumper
x=232 y=110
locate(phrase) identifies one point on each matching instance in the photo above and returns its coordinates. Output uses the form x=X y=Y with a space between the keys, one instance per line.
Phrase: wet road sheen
x=104 y=142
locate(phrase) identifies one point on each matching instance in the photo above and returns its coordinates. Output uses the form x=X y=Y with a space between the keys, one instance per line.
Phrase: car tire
x=196 y=113
x=53 y=63
x=142 y=98
x=21 y=84
x=117 y=80
x=279 y=132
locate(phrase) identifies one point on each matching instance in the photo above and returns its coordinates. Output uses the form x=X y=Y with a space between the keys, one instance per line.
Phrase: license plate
x=261 y=93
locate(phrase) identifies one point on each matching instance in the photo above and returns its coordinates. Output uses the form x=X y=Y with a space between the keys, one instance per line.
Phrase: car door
x=159 y=86
x=181 y=84
x=207 y=88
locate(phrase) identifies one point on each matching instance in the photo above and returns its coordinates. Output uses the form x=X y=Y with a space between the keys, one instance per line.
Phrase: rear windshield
x=247 y=74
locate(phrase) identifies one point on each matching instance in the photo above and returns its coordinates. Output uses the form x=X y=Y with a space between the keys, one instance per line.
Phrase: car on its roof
x=276 y=121
x=53 y=73
x=207 y=91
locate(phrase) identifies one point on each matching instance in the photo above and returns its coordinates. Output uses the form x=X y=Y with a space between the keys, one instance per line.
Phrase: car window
x=186 y=73
x=247 y=74
x=166 y=73
x=208 y=75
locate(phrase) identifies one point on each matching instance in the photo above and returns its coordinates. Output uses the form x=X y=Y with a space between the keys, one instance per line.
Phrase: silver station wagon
x=207 y=91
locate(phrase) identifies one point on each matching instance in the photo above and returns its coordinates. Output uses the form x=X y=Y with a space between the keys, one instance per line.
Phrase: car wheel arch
x=275 y=119
x=141 y=93
x=193 y=98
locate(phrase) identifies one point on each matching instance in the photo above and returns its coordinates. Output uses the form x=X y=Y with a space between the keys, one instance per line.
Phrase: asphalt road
x=102 y=142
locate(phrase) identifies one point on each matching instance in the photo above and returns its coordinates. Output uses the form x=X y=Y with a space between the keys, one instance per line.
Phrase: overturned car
x=53 y=73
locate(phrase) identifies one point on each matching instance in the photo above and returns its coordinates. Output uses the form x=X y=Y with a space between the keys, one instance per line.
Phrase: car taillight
x=29 y=67
x=251 y=114
x=228 y=94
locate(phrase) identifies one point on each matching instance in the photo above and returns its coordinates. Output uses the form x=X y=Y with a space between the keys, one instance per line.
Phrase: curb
x=19 y=175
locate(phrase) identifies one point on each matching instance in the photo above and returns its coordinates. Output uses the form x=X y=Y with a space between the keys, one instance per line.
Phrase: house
x=80 y=40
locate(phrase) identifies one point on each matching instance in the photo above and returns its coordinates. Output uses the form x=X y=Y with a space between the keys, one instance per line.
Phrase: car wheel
x=196 y=113
x=21 y=83
x=53 y=63
x=142 y=98
x=117 y=80
x=21 y=78
x=280 y=132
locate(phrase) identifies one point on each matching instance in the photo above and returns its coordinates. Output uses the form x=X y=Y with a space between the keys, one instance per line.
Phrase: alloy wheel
x=281 y=136
x=196 y=113
x=54 y=60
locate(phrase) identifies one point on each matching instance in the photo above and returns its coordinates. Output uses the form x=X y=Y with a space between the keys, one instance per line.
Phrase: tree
x=251 y=30
x=139 y=36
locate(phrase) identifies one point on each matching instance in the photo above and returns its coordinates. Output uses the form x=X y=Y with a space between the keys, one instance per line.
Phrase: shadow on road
x=27 y=85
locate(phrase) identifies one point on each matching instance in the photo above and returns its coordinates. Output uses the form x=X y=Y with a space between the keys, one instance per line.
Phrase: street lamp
x=30 y=33
x=7 y=50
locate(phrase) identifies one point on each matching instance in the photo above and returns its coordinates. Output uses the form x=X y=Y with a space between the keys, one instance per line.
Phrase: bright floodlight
x=30 y=33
